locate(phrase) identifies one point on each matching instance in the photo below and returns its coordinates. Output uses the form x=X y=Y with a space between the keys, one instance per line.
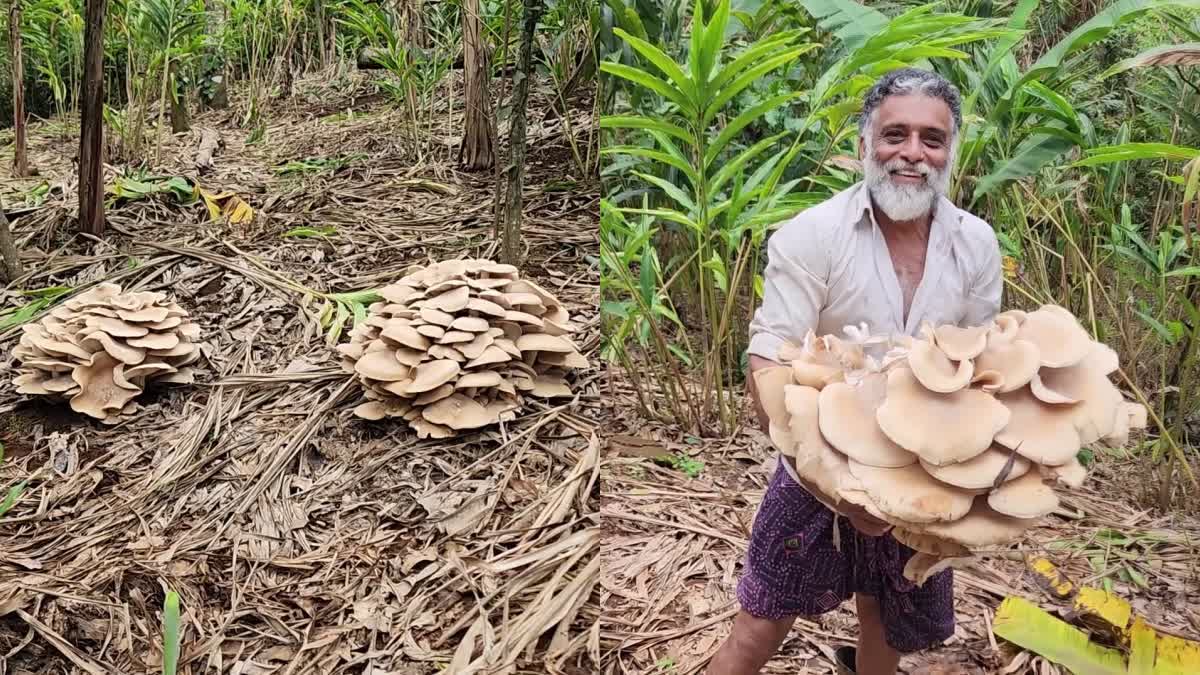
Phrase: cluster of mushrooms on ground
x=453 y=345
x=960 y=438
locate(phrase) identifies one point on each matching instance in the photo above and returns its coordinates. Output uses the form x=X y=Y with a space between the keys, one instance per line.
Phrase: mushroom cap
x=847 y=421
x=451 y=300
x=433 y=374
x=981 y=526
x=1072 y=474
x=960 y=344
x=550 y=387
x=543 y=343
x=940 y=428
x=406 y=335
x=458 y=412
x=935 y=370
x=116 y=327
x=1058 y=335
x=381 y=365
x=1087 y=382
x=1015 y=361
x=816 y=375
x=928 y=544
x=910 y=494
x=99 y=392
x=981 y=471
x=1024 y=497
x=482 y=378
x=1041 y=432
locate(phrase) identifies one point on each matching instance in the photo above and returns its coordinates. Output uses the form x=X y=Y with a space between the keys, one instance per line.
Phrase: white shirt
x=829 y=267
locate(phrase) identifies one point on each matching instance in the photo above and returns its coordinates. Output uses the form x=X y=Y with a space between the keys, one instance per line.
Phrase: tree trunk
x=511 y=246
x=20 y=156
x=8 y=250
x=476 y=151
x=179 y=112
x=91 y=137
x=417 y=35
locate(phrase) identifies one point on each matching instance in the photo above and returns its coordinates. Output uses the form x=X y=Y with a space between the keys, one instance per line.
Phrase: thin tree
x=511 y=239
x=476 y=151
x=91 y=136
x=8 y=250
x=20 y=155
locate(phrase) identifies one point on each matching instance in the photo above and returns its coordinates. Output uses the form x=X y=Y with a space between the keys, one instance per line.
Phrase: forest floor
x=675 y=534
x=302 y=539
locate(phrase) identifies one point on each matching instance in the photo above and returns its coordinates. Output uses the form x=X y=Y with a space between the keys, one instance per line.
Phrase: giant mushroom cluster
x=960 y=438
x=457 y=344
x=100 y=349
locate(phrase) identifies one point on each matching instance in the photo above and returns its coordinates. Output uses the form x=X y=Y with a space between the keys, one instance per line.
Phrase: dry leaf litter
x=300 y=537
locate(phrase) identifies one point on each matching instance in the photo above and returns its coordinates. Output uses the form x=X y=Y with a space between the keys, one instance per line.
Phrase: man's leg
x=792 y=569
x=875 y=656
x=750 y=644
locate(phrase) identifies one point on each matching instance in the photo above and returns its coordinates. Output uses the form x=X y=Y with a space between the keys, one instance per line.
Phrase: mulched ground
x=672 y=549
x=300 y=538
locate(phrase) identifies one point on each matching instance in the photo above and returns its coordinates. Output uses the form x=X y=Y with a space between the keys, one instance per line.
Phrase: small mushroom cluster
x=100 y=349
x=456 y=344
x=959 y=438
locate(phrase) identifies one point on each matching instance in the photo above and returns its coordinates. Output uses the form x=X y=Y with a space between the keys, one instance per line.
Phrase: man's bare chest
x=908 y=261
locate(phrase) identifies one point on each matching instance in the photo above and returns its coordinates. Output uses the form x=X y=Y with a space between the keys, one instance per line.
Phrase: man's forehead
x=913 y=110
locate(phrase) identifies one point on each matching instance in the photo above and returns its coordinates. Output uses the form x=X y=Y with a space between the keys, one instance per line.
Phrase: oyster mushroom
x=910 y=494
x=104 y=340
x=1025 y=497
x=982 y=471
x=935 y=370
x=960 y=344
x=847 y=421
x=1041 y=432
x=1058 y=335
x=940 y=428
x=1008 y=362
x=459 y=341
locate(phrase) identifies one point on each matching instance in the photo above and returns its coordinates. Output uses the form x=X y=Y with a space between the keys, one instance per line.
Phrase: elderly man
x=891 y=251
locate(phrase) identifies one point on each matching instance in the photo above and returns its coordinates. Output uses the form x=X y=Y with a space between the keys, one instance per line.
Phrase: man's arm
x=983 y=302
x=857 y=515
x=760 y=413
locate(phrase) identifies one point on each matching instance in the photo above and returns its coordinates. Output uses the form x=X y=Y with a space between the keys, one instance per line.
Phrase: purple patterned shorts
x=792 y=569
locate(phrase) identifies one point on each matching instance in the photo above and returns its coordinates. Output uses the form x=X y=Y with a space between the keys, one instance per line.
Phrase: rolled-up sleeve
x=983 y=302
x=792 y=296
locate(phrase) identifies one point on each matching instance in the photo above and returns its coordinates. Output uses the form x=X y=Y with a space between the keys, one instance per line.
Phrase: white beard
x=899 y=201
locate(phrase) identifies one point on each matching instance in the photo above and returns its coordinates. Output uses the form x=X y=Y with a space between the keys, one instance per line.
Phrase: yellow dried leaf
x=240 y=213
x=1112 y=611
x=1034 y=629
x=1051 y=579
x=227 y=204
x=1011 y=266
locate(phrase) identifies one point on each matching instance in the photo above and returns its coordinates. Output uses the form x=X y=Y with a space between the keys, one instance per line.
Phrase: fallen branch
x=210 y=142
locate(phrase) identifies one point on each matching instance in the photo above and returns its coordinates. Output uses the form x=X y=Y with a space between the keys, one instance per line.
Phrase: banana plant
x=1019 y=121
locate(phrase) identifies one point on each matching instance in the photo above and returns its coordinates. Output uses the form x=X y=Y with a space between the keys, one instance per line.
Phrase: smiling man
x=892 y=252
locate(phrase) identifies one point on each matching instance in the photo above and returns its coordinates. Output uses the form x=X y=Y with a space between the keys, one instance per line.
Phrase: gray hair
x=906 y=81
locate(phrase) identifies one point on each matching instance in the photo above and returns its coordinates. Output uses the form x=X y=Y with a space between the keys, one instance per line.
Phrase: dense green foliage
x=727 y=116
